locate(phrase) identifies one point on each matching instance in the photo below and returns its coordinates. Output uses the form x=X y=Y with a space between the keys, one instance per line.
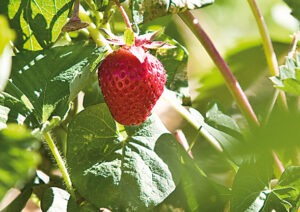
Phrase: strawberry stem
x=93 y=31
x=124 y=14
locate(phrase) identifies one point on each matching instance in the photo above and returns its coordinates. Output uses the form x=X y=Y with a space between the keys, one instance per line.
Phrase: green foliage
x=285 y=195
x=200 y=192
x=175 y=62
x=130 y=169
x=37 y=23
x=53 y=91
x=222 y=128
x=44 y=82
x=143 y=11
x=251 y=179
x=294 y=5
x=276 y=134
x=289 y=76
x=249 y=66
x=18 y=156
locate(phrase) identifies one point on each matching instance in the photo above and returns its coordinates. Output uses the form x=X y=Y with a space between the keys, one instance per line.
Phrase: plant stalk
x=124 y=15
x=272 y=62
x=230 y=80
x=268 y=47
x=94 y=33
x=60 y=163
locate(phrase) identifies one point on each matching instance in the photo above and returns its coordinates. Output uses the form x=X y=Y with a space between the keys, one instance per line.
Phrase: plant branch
x=268 y=47
x=60 y=163
x=94 y=33
x=124 y=14
x=272 y=63
x=230 y=80
x=183 y=142
x=91 y=4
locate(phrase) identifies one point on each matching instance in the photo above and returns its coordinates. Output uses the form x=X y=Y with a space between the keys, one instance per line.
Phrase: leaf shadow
x=36 y=24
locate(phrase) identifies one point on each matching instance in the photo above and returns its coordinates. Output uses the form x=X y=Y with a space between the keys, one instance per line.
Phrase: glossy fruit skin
x=131 y=80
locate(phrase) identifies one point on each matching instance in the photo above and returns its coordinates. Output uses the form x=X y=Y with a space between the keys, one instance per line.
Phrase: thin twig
x=183 y=142
x=268 y=47
x=278 y=163
x=270 y=108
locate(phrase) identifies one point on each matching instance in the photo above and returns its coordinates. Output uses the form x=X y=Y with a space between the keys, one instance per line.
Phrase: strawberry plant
x=149 y=105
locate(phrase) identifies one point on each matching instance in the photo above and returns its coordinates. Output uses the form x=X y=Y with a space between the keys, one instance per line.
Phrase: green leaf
x=92 y=95
x=289 y=76
x=251 y=180
x=18 y=156
x=37 y=23
x=143 y=11
x=295 y=6
x=290 y=177
x=201 y=193
x=285 y=196
x=55 y=199
x=217 y=119
x=228 y=138
x=175 y=63
x=275 y=203
x=18 y=113
x=45 y=81
x=119 y=170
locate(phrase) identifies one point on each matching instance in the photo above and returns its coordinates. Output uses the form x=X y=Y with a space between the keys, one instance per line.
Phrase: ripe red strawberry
x=131 y=80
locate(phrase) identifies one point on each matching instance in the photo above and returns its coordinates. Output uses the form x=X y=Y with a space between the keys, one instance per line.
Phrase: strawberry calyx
x=145 y=41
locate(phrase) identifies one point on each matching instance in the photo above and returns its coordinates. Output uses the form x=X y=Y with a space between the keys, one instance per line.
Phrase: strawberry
x=131 y=80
